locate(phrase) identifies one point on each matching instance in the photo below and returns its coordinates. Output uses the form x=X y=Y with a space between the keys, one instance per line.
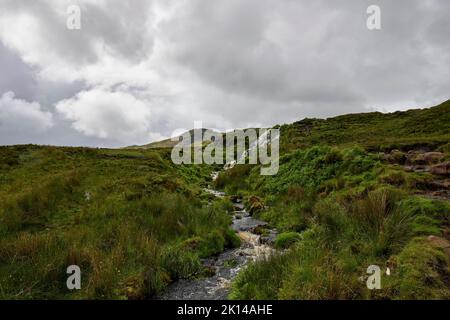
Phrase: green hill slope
x=419 y=127
x=427 y=128
x=195 y=134
x=130 y=219
x=343 y=199
x=353 y=191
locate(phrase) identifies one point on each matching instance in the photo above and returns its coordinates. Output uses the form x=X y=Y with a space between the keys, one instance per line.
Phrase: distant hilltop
x=375 y=130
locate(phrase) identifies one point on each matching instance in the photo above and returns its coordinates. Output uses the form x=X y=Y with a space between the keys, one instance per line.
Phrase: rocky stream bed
x=228 y=264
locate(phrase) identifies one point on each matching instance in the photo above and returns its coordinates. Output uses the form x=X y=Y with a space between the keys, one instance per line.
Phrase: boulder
x=442 y=169
x=423 y=158
x=417 y=168
x=396 y=156
x=412 y=157
x=433 y=157
x=439 y=184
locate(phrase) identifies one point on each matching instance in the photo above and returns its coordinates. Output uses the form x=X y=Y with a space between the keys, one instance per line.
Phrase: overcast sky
x=138 y=70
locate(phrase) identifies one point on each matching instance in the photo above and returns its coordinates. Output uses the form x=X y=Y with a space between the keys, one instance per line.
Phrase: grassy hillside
x=353 y=191
x=376 y=131
x=196 y=136
x=130 y=219
x=428 y=128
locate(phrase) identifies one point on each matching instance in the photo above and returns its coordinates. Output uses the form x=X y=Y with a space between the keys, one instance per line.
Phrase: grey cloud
x=317 y=52
x=233 y=63
x=21 y=79
x=16 y=75
x=21 y=118
x=118 y=27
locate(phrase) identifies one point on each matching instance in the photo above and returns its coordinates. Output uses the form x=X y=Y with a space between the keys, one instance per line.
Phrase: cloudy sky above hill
x=138 y=70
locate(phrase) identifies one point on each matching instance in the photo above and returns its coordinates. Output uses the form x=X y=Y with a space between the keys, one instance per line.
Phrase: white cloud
x=19 y=117
x=37 y=31
x=109 y=115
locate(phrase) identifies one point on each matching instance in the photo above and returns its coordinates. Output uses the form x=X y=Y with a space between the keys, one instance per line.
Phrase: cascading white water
x=260 y=142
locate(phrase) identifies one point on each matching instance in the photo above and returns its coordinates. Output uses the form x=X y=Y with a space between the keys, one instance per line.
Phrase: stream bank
x=229 y=263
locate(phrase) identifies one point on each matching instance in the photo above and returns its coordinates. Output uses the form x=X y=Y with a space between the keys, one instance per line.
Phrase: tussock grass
x=123 y=216
x=351 y=211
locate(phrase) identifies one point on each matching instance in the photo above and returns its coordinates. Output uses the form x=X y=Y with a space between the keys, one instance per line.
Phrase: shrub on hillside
x=286 y=239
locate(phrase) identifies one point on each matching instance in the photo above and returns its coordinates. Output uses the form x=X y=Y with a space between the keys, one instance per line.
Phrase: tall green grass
x=341 y=240
x=131 y=220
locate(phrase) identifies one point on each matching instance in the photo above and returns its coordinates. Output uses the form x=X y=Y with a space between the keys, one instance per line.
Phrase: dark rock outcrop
x=442 y=169
x=417 y=158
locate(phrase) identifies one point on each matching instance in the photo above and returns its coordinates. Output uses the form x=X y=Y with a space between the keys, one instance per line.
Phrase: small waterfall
x=262 y=141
